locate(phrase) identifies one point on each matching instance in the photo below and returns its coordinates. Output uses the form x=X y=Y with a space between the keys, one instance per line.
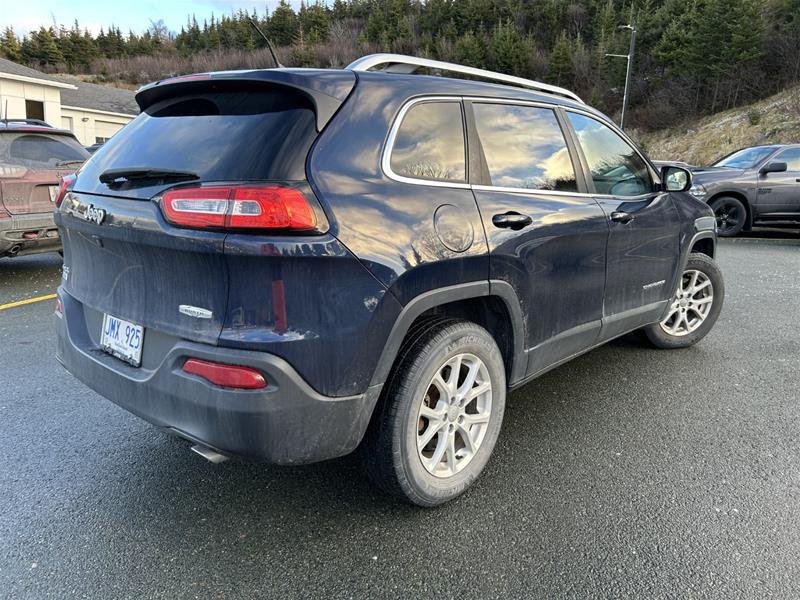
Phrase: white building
x=93 y=112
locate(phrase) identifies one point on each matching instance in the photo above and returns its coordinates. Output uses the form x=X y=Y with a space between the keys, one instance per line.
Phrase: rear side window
x=39 y=151
x=524 y=147
x=430 y=143
x=226 y=135
x=617 y=169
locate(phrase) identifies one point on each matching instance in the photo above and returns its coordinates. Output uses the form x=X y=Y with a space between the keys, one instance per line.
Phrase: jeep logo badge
x=95 y=215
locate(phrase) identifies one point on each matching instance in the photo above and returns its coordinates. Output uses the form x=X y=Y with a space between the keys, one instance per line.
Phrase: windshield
x=745 y=159
x=39 y=150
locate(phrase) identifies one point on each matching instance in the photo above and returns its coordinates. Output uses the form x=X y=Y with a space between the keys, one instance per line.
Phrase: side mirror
x=773 y=167
x=676 y=179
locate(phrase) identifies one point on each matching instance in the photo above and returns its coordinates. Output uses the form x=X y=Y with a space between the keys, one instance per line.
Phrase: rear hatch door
x=122 y=256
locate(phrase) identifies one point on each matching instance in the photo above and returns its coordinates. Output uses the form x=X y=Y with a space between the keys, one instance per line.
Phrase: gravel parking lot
x=627 y=472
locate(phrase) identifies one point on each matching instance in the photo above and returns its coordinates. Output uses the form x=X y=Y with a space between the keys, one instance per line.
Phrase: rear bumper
x=286 y=423
x=28 y=234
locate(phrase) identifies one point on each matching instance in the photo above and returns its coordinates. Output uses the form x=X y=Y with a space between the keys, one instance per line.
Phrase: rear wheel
x=694 y=308
x=440 y=416
x=731 y=215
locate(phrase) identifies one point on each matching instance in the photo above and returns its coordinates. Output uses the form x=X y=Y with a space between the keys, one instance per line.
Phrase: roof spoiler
x=327 y=89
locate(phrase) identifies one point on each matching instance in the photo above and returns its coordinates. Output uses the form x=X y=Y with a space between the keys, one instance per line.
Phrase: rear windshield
x=40 y=150
x=231 y=135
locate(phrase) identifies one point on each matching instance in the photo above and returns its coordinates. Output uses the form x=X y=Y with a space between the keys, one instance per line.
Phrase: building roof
x=76 y=93
x=13 y=70
x=100 y=97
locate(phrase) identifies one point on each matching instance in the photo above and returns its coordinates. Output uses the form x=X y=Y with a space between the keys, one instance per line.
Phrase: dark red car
x=33 y=158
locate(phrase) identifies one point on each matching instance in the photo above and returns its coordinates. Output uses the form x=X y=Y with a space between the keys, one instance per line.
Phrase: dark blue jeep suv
x=292 y=264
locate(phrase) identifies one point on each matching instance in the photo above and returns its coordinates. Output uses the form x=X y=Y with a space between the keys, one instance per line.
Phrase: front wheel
x=694 y=308
x=731 y=215
x=440 y=417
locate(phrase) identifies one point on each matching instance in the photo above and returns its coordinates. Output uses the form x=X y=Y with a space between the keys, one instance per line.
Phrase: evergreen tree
x=315 y=22
x=10 y=46
x=470 y=50
x=45 y=50
x=283 y=25
x=561 y=70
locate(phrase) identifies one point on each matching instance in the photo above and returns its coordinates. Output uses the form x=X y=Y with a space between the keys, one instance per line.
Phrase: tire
x=731 y=215
x=390 y=452
x=702 y=275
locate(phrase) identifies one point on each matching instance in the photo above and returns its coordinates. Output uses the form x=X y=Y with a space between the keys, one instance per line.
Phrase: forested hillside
x=774 y=120
x=693 y=56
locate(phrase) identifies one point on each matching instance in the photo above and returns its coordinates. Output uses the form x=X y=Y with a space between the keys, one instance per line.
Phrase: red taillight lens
x=231 y=376
x=239 y=207
x=67 y=181
x=59 y=309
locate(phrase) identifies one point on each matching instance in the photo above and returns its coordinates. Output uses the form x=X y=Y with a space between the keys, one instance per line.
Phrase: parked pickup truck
x=753 y=186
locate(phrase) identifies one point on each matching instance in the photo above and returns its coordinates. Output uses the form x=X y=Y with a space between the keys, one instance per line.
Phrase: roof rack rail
x=399 y=63
x=38 y=122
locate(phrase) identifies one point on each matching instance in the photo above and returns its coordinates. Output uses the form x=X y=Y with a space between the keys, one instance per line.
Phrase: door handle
x=797 y=180
x=621 y=217
x=512 y=220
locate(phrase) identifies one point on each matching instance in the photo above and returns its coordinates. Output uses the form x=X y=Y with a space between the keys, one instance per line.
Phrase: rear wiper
x=136 y=174
x=75 y=161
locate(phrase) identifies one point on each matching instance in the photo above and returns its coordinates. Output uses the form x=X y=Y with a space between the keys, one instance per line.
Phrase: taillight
x=67 y=181
x=239 y=207
x=232 y=376
x=59 y=309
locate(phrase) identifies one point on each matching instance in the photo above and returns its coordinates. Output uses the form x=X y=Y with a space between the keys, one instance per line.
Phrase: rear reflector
x=231 y=376
x=239 y=207
x=59 y=309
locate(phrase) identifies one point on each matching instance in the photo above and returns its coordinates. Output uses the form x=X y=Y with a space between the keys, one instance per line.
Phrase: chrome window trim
x=389 y=146
x=386 y=159
x=514 y=190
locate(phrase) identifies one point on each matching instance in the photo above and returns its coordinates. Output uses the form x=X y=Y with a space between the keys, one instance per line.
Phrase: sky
x=126 y=14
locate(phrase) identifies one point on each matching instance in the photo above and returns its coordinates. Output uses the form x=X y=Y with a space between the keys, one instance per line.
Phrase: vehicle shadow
x=764 y=233
x=560 y=456
x=168 y=480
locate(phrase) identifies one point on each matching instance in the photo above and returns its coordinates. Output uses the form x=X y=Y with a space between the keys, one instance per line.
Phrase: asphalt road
x=628 y=472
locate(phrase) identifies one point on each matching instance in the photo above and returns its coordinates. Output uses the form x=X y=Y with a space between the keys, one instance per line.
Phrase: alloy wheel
x=692 y=304
x=728 y=216
x=454 y=415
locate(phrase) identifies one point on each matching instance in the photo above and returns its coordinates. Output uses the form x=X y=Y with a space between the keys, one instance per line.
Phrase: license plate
x=122 y=339
x=53 y=189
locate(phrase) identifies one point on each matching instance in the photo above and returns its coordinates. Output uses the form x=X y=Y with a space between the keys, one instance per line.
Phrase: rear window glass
x=231 y=135
x=430 y=143
x=524 y=147
x=39 y=150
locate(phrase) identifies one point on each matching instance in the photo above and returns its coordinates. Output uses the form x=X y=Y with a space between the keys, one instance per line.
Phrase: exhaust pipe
x=210 y=455
x=14 y=249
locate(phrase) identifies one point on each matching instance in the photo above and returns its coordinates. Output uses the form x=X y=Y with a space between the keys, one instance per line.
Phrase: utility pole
x=629 y=57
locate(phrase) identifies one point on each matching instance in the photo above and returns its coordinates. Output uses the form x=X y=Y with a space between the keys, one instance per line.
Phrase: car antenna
x=269 y=44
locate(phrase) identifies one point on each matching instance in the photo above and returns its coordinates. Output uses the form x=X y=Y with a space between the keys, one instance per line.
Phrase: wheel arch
x=704 y=245
x=704 y=237
x=493 y=305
